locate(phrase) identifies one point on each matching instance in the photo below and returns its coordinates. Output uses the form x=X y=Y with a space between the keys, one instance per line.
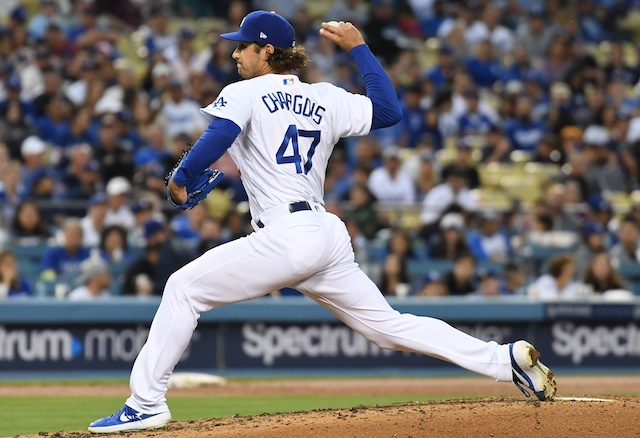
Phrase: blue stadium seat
x=629 y=270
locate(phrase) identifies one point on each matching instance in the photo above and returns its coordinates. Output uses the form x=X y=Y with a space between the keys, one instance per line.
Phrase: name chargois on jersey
x=296 y=103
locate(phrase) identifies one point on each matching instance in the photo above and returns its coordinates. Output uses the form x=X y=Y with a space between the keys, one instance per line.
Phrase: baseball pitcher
x=280 y=132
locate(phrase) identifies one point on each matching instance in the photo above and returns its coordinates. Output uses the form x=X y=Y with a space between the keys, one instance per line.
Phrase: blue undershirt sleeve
x=211 y=145
x=378 y=87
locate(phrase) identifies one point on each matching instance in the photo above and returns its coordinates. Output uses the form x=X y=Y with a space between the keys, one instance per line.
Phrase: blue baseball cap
x=265 y=28
x=598 y=203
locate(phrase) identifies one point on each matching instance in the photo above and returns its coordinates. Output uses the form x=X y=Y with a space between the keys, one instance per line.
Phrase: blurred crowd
x=513 y=172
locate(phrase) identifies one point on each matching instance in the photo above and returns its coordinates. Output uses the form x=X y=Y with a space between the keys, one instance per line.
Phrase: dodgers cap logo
x=265 y=28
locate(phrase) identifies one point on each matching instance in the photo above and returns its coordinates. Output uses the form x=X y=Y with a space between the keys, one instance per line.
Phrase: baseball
x=333 y=23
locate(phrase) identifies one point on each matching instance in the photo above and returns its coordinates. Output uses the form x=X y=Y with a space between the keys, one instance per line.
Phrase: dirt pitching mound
x=487 y=409
x=485 y=417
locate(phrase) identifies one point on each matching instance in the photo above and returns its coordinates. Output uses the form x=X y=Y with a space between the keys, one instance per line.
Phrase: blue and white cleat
x=128 y=419
x=530 y=372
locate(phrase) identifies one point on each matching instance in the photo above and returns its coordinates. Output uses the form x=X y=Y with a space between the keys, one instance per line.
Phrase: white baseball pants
x=310 y=251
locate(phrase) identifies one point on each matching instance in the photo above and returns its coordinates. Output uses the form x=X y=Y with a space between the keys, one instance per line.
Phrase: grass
x=31 y=415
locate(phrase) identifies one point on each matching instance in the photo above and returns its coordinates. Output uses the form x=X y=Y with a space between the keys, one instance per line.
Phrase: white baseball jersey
x=293 y=128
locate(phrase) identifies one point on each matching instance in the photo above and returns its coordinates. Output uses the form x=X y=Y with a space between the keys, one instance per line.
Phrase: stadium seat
x=28 y=253
x=418 y=268
x=620 y=201
x=542 y=170
x=490 y=174
x=629 y=270
x=491 y=199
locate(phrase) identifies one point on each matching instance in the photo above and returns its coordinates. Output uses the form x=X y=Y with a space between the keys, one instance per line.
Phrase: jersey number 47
x=292 y=136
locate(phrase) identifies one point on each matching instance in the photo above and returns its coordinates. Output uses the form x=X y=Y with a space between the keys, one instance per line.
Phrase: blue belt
x=293 y=207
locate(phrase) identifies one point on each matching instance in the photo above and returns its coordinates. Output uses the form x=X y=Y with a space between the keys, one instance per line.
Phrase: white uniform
x=289 y=129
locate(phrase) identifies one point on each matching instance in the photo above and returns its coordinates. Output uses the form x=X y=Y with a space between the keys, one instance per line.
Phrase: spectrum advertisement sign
x=77 y=348
x=272 y=346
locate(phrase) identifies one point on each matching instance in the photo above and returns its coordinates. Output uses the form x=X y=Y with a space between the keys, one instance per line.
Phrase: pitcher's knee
x=175 y=285
x=381 y=339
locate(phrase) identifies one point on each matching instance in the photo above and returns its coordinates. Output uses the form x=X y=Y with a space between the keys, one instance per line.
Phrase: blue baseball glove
x=198 y=188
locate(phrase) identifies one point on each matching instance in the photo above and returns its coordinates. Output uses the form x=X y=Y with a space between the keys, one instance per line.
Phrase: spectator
x=14 y=128
x=603 y=171
x=113 y=158
x=180 y=113
x=235 y=225
x=381 y=32
x=387 y=184
x=95 y=278
x=534 y=33
x=400 y=243
x=558 y=283
x=556 y=207
x=364 y=210
x=163 y=255
x=459 y=281
x=81 y=177
x=45 y=16
x=93 y=222
x=473 y=121
x=33 y=150
x=556 y=61
x=452 y=194
x=354 y=11
x=118 y=210
x=497 y=146
x=12 y=191
x=56 y=41
x=488 y=284
x=113 y=245
x=62 y=262
x=155 y=151
x=524 y=132
x=488 y=28
x=89 y=73
x=432 y=285
x=617 y=65
x=88 y=30
x=627 y=249
x=483 y=65
x=601 y=277
x=489 y=243
x=12 y=284
x=601 y=211
x=161 y=40
x=187 y=226
x=593 y=242
x=443 y=71
x=395 y=280
x=143 y=210
x=463 y=164
x=28 y=226
x=54 y=127
x=51 y=82
x=514 y=280
x=210 y=234
x=431 y=23
x=412 y=116
x=451 y=242
x=359 y=244
x=338 y=180
x=548 y=151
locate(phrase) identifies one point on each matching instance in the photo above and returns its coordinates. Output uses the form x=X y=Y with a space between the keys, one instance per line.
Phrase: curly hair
x=285 y=60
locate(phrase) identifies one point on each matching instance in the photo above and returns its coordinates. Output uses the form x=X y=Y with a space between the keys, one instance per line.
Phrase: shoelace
x=128 y=412
x=518 y=383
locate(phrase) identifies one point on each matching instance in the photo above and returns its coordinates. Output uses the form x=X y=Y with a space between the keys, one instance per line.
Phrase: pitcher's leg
x=236 y=271
x=350 y=295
